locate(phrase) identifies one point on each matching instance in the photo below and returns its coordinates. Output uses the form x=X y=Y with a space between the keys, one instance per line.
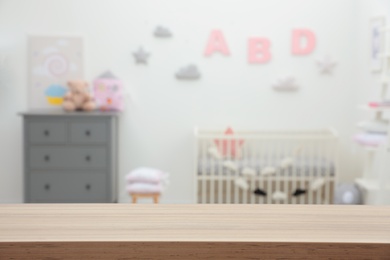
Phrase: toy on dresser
x=108 y=92
x=78 y=97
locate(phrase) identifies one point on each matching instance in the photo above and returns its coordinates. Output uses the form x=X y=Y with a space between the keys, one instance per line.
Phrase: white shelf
x=376 y=187
x=369 y=148
x=369 y=184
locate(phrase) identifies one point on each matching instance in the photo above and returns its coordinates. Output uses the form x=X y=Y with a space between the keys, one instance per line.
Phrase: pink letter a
x=216 y=44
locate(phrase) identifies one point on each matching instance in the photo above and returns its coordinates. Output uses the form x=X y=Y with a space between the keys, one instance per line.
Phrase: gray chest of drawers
x=70 y=157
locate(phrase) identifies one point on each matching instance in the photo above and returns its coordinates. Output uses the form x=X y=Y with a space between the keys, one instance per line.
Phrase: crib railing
x=312 y=168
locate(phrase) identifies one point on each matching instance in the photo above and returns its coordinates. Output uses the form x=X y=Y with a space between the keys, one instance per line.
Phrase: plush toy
x=78 y=97
x=347 y=193
x=108 y=92
x=259 y=192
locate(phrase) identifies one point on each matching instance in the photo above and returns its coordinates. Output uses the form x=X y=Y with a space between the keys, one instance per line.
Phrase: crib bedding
x=303 y=166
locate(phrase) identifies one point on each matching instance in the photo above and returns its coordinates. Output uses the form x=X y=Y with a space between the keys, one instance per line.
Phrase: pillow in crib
x=229 y=147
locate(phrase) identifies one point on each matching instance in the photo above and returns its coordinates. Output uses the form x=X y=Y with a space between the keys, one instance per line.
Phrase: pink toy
x=108 y=92
x=374 y=104
x=297 y=36
x=216 y=43
x=231 y=147
x=258 y=46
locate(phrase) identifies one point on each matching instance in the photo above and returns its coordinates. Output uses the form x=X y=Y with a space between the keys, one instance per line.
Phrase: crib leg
x=134 y=198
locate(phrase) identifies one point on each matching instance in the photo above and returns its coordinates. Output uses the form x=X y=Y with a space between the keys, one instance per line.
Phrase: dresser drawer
x=88 y=132
x=67 y=187
x=47 y=132
x=46 y=157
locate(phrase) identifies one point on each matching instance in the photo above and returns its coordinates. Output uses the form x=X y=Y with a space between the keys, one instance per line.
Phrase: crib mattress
x=306 y=167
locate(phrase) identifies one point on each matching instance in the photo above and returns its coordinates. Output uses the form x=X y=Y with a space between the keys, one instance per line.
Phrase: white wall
x=156 y=130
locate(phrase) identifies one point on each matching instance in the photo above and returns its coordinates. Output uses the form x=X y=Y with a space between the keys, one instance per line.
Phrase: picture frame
x=377 y=43
x=52 y=61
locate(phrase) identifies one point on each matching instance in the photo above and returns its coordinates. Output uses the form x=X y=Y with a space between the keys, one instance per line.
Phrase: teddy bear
x=78 y=97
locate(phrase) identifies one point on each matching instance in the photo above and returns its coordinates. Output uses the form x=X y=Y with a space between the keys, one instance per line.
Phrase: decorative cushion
x=144 y=188
x=147 y=175
x=229 y=147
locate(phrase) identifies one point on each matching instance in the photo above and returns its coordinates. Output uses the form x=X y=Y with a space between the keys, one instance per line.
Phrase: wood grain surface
x=136 y=231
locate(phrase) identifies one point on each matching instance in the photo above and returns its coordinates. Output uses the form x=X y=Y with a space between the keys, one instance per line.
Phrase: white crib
x=299 y=160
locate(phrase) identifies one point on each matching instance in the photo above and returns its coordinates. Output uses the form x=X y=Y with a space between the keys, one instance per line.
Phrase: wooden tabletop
x=253 y=224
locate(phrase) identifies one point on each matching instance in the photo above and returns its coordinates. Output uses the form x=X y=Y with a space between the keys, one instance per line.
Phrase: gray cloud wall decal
x=189 y=72
x=162 y=32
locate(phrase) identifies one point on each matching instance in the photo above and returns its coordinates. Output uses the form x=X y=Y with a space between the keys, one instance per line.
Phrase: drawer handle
x=87 y=158
x=87 y=133
x=47 y=187
x=46 y=132
x=88 y=187
x=47 y=158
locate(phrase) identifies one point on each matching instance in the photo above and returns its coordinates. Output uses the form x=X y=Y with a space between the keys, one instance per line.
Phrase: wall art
x=53 y=60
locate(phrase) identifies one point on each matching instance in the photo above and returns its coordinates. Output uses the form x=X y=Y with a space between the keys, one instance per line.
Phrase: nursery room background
x=185 y=65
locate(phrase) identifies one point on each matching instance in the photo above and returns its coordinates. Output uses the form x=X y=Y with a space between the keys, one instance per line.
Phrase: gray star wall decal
x=326 y=64
x=141 y=56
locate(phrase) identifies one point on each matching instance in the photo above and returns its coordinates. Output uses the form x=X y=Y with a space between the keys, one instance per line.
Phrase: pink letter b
x=258 y=46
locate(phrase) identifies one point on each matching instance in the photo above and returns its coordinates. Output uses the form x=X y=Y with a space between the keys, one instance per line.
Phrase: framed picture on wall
x=52 y=61
x=377 y=46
